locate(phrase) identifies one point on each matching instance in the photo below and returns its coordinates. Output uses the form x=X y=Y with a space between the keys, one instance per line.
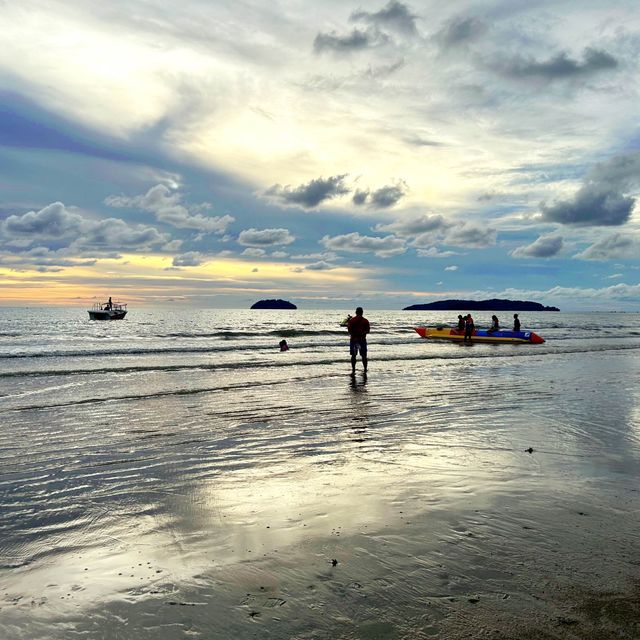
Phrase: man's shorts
x=356 y=346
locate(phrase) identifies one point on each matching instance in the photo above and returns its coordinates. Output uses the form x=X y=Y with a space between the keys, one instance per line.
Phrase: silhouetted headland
x=495 y=304
x=273 y=304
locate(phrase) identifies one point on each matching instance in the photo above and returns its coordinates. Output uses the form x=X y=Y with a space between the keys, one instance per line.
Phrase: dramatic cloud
x=57 y=227
x=615 y=247
x=354 y=41
x=53 y=222
x=560 y=66
x=189 y=259
x=354 y=242
x=265 y=237
x=601 y=201
x=381 y=198
x=395 y=15
x=311 y=194
x=167 y=207
x=544 y=247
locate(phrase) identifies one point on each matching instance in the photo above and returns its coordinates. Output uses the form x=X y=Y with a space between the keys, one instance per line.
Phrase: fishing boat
x=108 y=311
x=479 y=335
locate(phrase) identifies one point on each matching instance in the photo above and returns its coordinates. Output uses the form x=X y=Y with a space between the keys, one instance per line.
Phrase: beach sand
x=493 y=498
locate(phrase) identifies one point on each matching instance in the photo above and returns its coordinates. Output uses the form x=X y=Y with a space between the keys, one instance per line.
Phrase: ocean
x=175 y=475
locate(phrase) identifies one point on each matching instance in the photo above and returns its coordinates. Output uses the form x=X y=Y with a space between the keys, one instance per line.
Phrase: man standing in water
x=358 y=328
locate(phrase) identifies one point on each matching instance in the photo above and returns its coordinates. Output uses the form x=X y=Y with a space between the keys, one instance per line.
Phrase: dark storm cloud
x=311 y=194
x=592 y=205
x=602 y=199
x=544 y=247
x=394 y=15
x=617 y=246
x=461 y=30
x=559 y=66
x=354 y=41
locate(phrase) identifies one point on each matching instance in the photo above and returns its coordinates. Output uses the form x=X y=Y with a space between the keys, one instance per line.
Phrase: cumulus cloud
x=578 y=296
x=394 y=15
x=360 y=197
x=53 y=222
x=410 y=227
x=321 y=265
x=544 y=247
x=434 y=252
x=354 y=242
x=427 y=230
x=189 y=259
x=56 y=226
x=254 y=252
x=471 y=235
x=559 y=66
x=381 y=198
x=166 y=205
x=452 y=267
x=602 y=200
x=311 y=194
x=615 y=246
x=265 y=237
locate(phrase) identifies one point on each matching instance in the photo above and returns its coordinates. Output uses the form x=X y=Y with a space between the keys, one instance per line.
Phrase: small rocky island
x=494 y=304
x=273 y=304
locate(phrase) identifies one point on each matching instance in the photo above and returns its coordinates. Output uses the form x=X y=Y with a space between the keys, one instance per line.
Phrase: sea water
x=175 y=475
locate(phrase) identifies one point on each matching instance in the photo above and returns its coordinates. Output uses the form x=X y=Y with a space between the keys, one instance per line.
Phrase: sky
x=213 y=153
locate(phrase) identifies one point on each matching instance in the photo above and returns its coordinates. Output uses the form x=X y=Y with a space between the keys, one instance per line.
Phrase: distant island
x=273 y=304
x=495 y=304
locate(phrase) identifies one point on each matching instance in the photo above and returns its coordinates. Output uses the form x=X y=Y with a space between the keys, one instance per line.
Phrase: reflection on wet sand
x=441 y=524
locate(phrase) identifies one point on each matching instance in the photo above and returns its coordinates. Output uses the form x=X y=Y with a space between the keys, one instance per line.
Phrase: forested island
x=494 y=304
x=273 y=304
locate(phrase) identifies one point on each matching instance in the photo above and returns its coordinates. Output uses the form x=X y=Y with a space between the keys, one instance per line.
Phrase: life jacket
x=468 y=321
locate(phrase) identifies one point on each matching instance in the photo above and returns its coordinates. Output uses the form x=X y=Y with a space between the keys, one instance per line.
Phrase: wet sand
x=444 y=499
